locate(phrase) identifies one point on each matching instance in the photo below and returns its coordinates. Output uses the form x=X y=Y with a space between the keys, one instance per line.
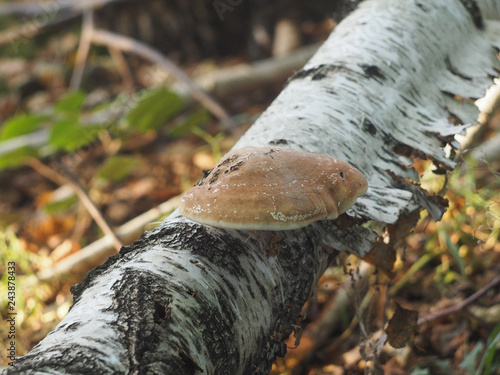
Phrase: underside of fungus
x=270 y=188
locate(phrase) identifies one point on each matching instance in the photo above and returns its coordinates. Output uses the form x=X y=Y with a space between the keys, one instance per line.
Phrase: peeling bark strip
x=192 y=299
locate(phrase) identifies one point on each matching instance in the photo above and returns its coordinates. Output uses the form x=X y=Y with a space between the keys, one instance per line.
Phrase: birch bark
x=192 y=299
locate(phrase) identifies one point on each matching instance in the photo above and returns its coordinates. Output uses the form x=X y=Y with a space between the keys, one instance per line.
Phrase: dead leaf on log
x=402 y=327
x=382 y=256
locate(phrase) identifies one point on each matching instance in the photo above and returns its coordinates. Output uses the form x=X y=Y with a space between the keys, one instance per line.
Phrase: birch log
x=193 y=299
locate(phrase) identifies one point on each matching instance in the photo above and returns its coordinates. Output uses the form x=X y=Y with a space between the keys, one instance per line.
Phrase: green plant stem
x=412 y=271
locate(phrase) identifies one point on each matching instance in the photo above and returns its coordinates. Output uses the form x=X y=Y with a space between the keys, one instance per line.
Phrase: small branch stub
x=270 y=188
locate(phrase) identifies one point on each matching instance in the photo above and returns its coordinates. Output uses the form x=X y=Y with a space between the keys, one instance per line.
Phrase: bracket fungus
x=270 y=188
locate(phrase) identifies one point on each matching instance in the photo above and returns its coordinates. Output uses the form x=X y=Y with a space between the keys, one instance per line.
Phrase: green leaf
x=454 y=252
x=118 y=167
x=420 y=371
x=195 y=120
x=18 y=157
x=70 y=105
x=154 y=109
x=489 y=355
x=469 y=362
x=70 y=135
x=60 y=206
x=438 y=366
x=21 y=124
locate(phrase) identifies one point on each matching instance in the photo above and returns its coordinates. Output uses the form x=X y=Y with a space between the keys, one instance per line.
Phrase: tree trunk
x=192 y=299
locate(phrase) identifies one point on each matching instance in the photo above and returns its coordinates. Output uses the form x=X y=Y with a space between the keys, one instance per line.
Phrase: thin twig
x=53 y=16
x=130 y=45
x=22 y=33
x=121 y=64
x=35 y=8
x=83 y=48
x=91 y=207
x=222 y=83
x=95 y=253
x=70 y=178
x=47 y=172
x=460 y=306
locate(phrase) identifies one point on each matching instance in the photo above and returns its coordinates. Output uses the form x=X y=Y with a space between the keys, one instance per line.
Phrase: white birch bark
x=191 y=299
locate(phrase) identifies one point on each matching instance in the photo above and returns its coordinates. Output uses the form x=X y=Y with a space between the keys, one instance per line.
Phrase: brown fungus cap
x=269 y=188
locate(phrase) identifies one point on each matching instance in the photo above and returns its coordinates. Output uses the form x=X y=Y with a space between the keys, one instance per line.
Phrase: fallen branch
x=70 y=178
x=246 y=77
x=460 y=306
x=220 y=83
x=28 y=30
x=52 y=17
x=35 y=8
x=83 y=48
x=130 y=45
x=123 y=68
x=79 y=263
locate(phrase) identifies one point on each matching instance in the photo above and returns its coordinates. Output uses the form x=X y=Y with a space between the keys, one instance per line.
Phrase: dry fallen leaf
x=382 y=256
x=402 y=327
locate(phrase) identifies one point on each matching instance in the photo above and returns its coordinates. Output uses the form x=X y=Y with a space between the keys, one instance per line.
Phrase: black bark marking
x=372 y=71
x=401 y=111
x=369 y=127
x=126 y=249
x=175 y=265
x=410 y=102
x=208 y=245
x=228 y=285
x=142 y=321
x=319 y=72
x=421 y=6
x=474 y=11
x=454 y=71
x=161 y=312
x=79 y=360
x=278 y=142
x=71 y=327
x=191 y=366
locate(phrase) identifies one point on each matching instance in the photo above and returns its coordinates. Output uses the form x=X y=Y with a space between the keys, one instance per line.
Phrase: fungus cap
x=269 y=188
